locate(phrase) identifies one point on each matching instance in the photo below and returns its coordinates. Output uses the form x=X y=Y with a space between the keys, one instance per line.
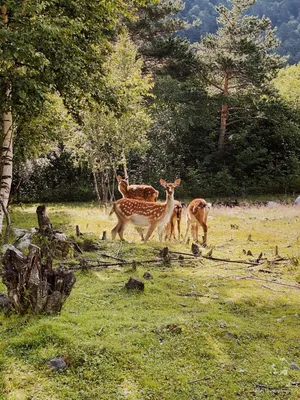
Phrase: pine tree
x=238 y=62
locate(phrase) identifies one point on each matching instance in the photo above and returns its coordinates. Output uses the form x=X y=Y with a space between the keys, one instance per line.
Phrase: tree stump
x=33 y=286
x=134 y=284
x=45 y=225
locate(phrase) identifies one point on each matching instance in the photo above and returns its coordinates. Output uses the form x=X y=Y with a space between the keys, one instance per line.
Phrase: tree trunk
x=33 y=286
x=124 y=162
x=7 y=143
x=96 y=186
x=104 y=188
x=224 y=116
x=45 y=225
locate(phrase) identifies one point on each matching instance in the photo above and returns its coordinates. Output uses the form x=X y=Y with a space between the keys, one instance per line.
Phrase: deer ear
x=163 y=183
x=119 y=178
x=177 y=182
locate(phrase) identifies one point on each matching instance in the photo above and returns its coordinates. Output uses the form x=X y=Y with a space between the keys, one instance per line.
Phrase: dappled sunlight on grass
x=202 y=328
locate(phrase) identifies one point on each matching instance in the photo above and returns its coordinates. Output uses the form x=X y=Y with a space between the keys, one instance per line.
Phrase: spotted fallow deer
x=138 y=192
x=175 y=220
x=144 y=213
x=196 y=214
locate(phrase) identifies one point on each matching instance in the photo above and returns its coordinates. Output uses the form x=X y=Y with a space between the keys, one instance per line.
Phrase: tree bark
x=104 y=187
x=7 y=142
x=45 y=225
x=224 y=115
x=96 y=186
x=124 y=161
x=33 y=286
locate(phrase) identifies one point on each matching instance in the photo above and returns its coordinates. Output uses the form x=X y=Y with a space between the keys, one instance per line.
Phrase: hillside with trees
x=284 y=15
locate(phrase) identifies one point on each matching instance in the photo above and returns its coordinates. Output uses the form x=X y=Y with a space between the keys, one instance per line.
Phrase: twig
x=119 y=249
x=193 y=295
x=231 y=261
x=182 y=253
x=267 y=287
x=114 y=258
x=275 y=282
x=217 y=259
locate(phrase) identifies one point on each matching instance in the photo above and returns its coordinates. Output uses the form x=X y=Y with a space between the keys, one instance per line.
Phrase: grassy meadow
x=202 y=329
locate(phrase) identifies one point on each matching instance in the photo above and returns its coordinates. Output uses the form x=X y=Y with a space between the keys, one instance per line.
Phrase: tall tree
x=237 y=62
x=109 y=133
x=52 y=46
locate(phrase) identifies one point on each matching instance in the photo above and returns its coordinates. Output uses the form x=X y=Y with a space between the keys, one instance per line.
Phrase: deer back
x=198 y=210
x=138 y=192
x=142 y=212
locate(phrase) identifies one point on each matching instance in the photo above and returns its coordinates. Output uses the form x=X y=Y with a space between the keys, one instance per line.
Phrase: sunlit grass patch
x=201 y=328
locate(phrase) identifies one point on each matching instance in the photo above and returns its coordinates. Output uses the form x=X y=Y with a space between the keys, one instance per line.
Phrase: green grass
x=199 y=331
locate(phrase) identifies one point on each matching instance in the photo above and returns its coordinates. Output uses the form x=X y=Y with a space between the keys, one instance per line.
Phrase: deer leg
x=178 y=228
x=187 y=229
x=160 y=229
x=122 y=229
x=116 y=230
x=204 y=226
x=141 y=232
x=150 y=231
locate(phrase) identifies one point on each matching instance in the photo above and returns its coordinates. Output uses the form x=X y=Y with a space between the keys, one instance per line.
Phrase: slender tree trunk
x=224 y=116
x=113 y=183
x=96 y=186
x=124 y=161
x=7 y=143
x=104 y=188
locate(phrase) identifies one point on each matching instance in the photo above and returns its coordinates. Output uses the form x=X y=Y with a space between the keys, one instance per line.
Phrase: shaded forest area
x=90 y=97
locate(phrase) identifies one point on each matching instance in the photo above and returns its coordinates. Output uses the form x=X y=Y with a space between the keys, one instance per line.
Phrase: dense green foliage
x=148 y=105
x=283 y=14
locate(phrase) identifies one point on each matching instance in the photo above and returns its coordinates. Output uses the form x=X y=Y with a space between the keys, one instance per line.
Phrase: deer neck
x=123 y=189
x=169 y=205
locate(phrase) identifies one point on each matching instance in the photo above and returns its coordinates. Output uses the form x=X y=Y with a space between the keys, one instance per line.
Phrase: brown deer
x=138 y=192
x=174 y=220
x=196 y=215
x=145 y=213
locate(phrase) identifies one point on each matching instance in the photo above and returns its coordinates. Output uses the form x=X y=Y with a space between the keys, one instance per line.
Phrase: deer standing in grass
x=138 y=192
x=196 y=215
x=175 y=220
x=144 y=213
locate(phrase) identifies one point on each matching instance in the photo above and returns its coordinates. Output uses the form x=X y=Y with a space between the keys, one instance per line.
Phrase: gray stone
x=57 y=363
x=297 y=201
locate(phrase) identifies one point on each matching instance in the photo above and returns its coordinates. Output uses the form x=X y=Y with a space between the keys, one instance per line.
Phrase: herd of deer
x=139 y=206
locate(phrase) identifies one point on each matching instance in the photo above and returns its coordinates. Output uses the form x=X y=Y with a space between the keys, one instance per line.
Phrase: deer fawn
x=145 y=213
x=174 y=220
x=138 y=192
x=196 y=215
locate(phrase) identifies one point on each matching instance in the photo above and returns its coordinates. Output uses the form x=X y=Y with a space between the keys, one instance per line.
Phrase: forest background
x=207 y=91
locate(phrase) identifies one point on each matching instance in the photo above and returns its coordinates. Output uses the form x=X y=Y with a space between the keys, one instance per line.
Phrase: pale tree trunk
x=6 y=164
x=7 y=144
x=124 y=162
x=224 y=116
